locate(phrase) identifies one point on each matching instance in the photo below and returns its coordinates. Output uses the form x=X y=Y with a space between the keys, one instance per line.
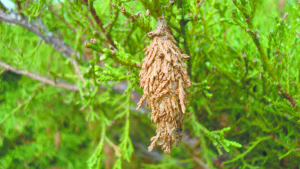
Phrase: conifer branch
x=62 y=19
x=254 y=36
x=154 y=7
x=24 y=104
x=43 y=79
x=40 y=30
x=119 y=88
x=99 y=22
x=183 y=23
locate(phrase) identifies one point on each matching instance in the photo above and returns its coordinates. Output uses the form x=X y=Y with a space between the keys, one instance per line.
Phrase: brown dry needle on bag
x=165 y=82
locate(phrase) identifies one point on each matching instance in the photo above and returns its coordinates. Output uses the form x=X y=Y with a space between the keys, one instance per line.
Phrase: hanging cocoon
x=165 y=82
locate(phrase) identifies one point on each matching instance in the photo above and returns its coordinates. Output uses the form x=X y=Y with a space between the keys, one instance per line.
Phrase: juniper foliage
x=70 y=83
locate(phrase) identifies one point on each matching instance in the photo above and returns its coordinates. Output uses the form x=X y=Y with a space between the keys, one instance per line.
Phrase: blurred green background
x=243 y=107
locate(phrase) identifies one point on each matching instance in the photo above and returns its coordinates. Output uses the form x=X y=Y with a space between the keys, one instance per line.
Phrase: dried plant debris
x=165 y=82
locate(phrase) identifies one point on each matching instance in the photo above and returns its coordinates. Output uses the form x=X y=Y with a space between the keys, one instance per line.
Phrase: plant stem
x=183 y=23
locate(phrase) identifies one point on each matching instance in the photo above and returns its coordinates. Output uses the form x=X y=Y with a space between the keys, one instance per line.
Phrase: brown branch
x=40 y=30
x=91 y=22
x=19 y=6
x=286 y=96
x=40 y=78
x=99 y=23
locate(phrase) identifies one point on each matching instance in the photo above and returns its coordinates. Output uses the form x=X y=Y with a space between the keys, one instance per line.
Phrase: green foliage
x=243 y=107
